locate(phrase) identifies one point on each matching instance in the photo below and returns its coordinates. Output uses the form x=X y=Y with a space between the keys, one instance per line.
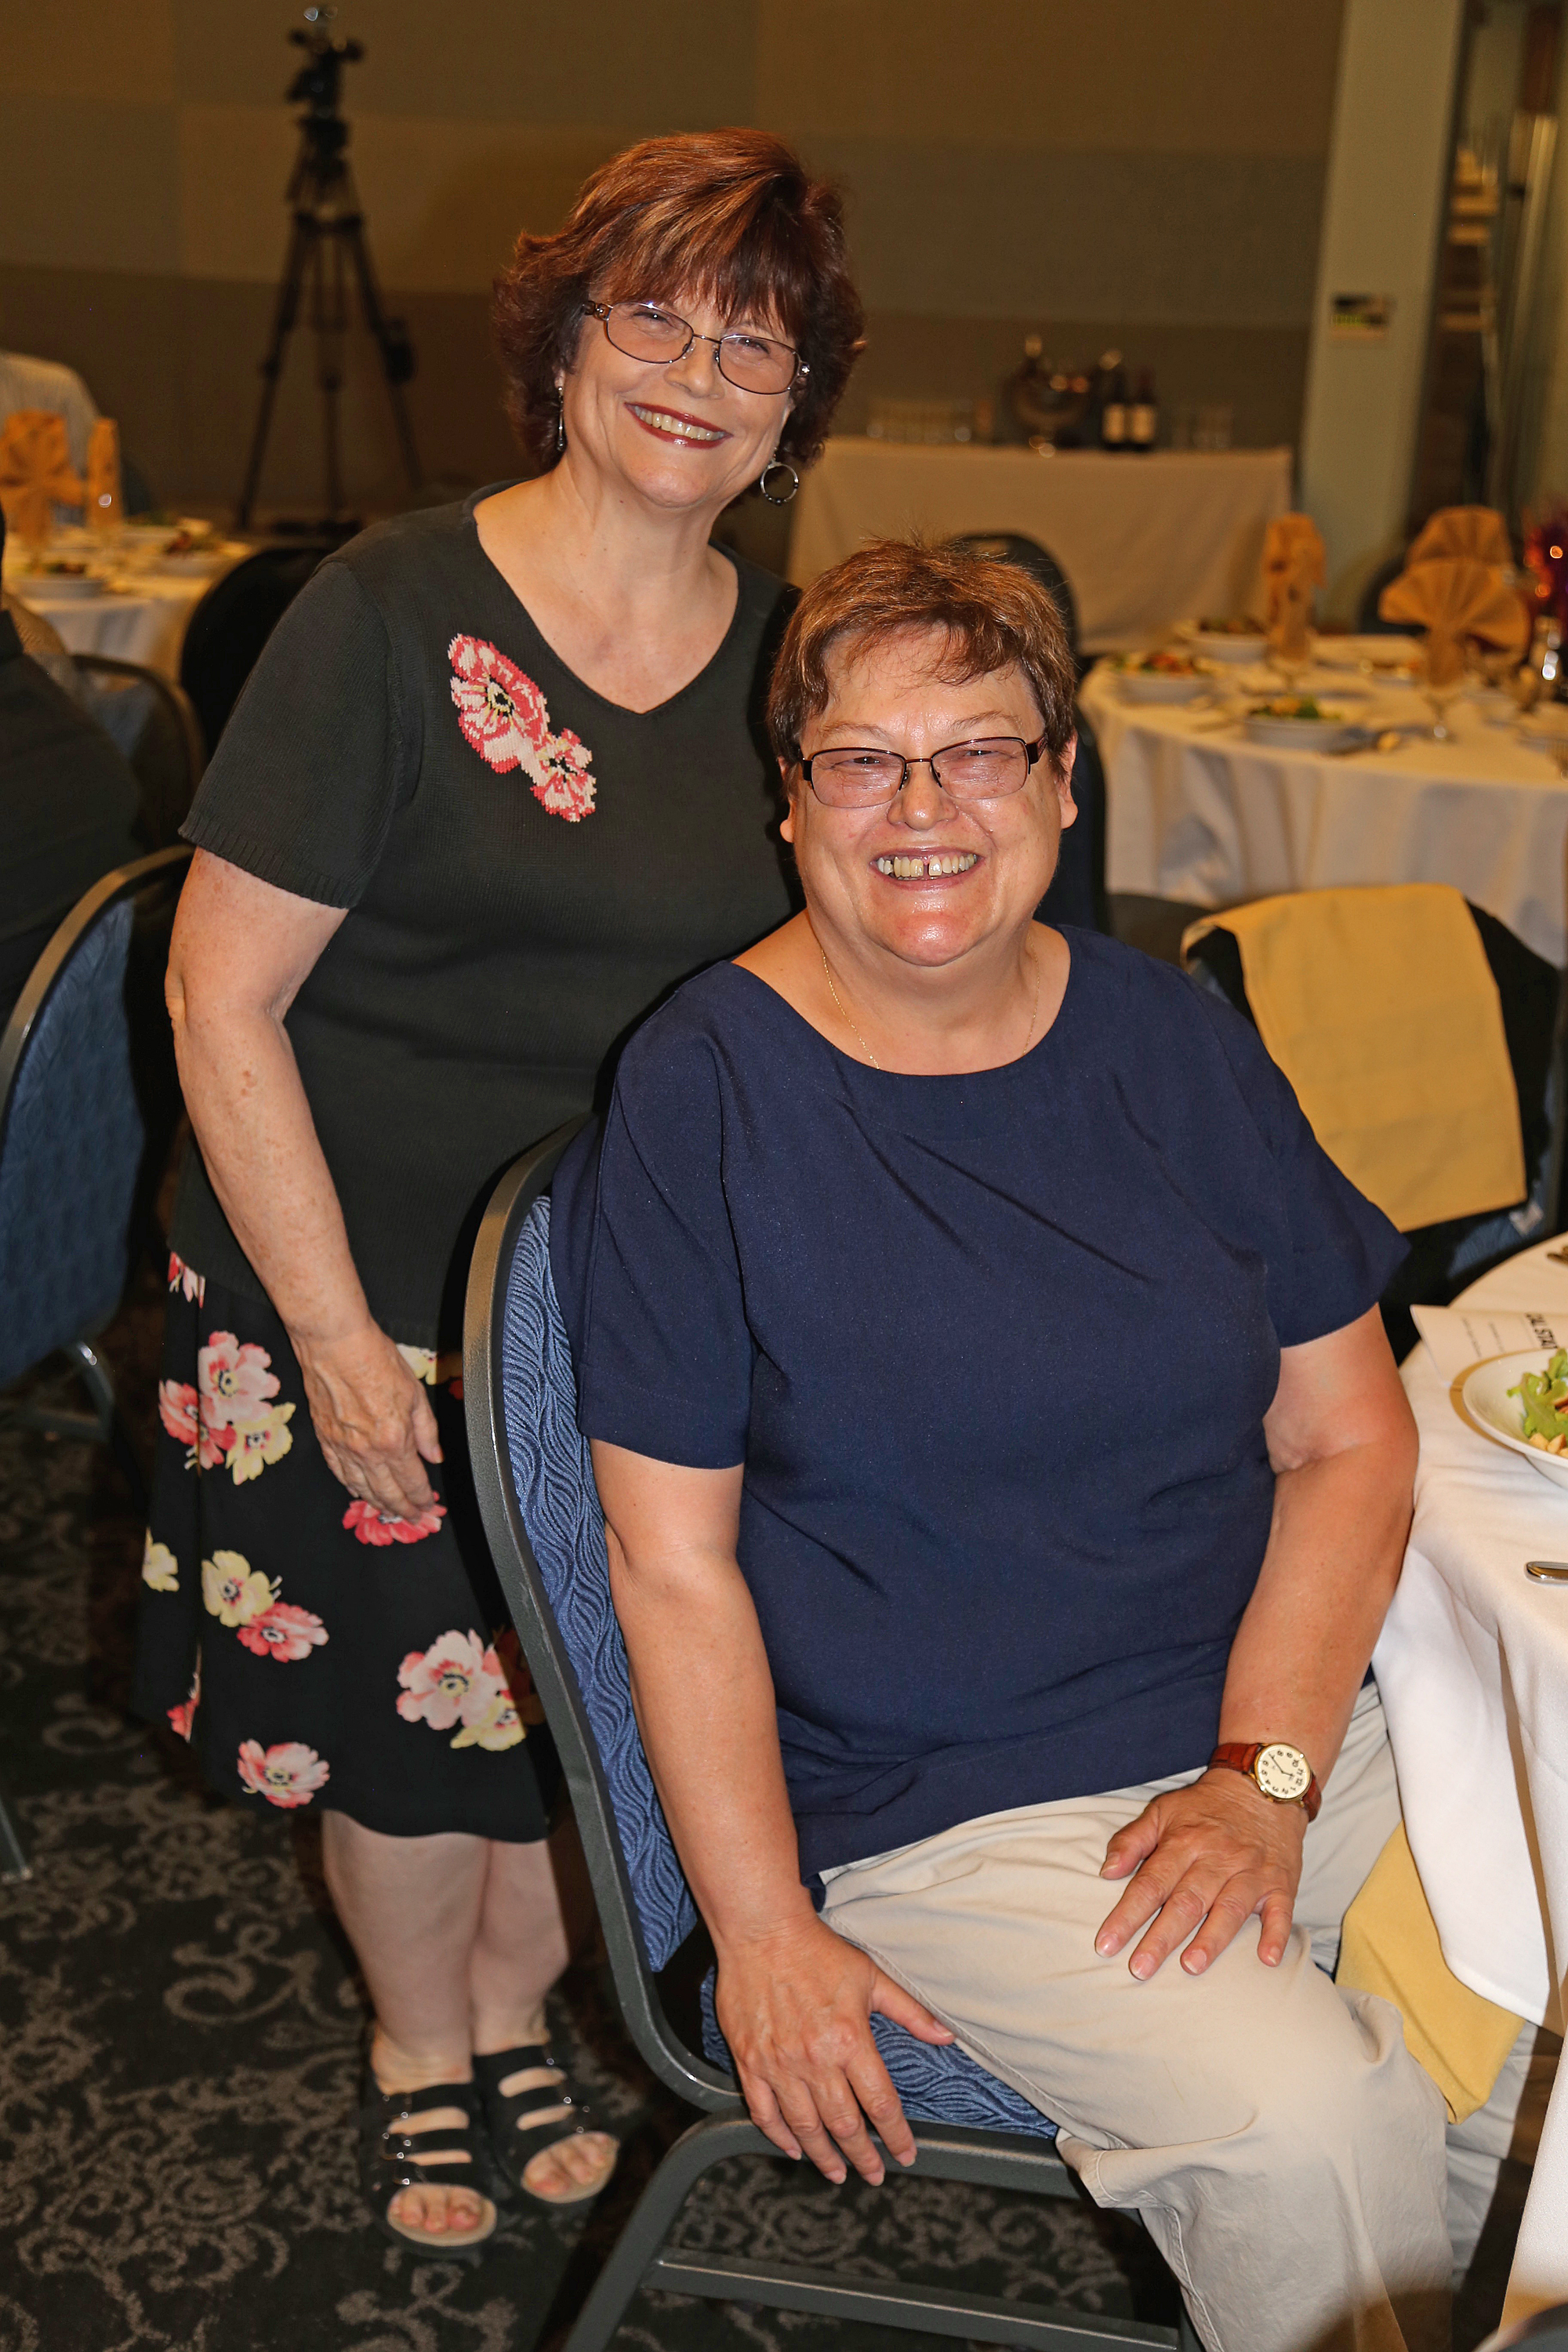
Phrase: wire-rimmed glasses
x=988 y=769
x=646 y=331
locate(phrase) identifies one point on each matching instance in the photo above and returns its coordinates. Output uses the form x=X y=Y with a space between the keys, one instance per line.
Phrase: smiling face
x=677 y=435
x=925 y=878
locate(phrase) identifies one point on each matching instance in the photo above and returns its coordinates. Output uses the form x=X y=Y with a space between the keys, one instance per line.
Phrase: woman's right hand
x=795 y=2010
x=373 y=1418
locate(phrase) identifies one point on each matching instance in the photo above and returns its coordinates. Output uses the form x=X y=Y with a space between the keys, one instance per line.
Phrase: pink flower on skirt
x=284 y=1633
x=287 y=1775
x=181 y=1412
x=182 y=1717
x=234 y=1380
x=500 y=709
x=186 y=1278
x=372 y=1527
x=456 y=1677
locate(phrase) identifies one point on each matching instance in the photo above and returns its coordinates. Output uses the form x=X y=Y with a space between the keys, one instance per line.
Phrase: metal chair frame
x=105 y=1422
x=173 y=696
x=641 y=2257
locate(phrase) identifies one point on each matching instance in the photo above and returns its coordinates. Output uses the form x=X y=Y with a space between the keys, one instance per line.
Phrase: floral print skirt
x=312 y=1652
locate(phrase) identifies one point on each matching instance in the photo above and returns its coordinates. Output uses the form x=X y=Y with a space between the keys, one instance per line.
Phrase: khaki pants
x=1284 y=2149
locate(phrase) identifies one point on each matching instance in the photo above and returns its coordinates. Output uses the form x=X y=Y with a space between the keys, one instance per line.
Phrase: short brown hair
x=995 y=614
x=730 y=216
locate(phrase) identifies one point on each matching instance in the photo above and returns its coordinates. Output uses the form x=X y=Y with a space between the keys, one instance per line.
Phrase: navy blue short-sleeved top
x=995 y=1351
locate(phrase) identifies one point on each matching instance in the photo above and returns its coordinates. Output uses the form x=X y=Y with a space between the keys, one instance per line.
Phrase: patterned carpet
x=180 y=2035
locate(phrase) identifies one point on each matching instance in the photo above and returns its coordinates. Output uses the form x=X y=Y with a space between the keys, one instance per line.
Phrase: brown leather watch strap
x=1241 y=1756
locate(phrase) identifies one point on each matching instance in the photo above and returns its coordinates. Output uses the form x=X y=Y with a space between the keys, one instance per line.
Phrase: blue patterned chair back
x=553 y=1478
x=70 y=1152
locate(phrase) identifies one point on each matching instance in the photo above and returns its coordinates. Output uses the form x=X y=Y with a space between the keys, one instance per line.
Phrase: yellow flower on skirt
x=499 y=1727
x=257 y=1443
x=160 y=1569
x=233 y=1590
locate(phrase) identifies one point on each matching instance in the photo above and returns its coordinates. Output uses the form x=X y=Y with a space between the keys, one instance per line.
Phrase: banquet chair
x=1076 y=894
x=151 y=724
x=233 y=622
x=1369 y=621
x=1534 y=998
x=541 y=1513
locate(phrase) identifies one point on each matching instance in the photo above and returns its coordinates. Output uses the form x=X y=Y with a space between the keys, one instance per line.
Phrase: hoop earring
x=779 y=466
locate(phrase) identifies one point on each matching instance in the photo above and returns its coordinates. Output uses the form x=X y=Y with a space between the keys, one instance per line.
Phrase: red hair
x=729 y=217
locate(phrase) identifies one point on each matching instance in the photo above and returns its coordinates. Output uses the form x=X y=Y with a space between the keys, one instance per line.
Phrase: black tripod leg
x=283 y=321
x=330 y=318
x=397 y=357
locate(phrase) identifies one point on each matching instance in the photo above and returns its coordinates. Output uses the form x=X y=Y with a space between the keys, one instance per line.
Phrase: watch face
x=1282 y=1773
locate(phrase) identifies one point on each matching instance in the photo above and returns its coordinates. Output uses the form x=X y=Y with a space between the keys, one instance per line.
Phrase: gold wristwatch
x=1279 y=1771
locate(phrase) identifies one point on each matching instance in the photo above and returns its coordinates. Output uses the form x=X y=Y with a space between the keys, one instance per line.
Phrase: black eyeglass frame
x=601 y=310
x=1033 y=755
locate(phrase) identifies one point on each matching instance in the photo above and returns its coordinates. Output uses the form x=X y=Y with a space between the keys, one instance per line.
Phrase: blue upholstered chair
x=79 y=1103
x=546 y=1533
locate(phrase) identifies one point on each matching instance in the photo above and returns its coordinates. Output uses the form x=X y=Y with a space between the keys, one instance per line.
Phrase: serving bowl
x=1325 y=734
x=1161 y=685
x=1484 y=1393
x=1216 y=644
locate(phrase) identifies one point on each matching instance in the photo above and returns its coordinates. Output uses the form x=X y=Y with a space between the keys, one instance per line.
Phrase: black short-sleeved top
x=995 y=1351
x=527 y=866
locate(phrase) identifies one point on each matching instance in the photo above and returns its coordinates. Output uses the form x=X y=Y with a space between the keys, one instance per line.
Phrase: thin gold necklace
x=865 y=1048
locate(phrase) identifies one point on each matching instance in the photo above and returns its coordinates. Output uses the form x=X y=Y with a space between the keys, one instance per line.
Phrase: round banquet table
x=1473 y=1667
x=1197 y=812
x=140 y=615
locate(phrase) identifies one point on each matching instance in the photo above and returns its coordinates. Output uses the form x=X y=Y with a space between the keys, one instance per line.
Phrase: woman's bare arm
x=241 y=950
x=793 y=1998
x=1343 y=1443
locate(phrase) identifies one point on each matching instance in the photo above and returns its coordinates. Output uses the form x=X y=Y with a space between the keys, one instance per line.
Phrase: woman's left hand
x=1209 y=1857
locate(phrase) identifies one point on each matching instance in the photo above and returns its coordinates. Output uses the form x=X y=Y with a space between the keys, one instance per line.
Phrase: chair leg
x=14 y=1862
x=111 y=1428
x=708 y=2142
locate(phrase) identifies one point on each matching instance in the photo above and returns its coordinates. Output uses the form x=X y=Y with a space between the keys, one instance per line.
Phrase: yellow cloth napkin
x=105 y=498
x=1391 y=1948
x=36 y=472
x=1379 y=1007
x=1454 y=598
x=1478 y=532
x=1293 y=564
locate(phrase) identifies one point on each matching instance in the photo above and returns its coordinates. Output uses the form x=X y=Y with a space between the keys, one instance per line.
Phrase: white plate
x=1297 y=734
x=44 y=585
x=1217 y=648
x=1160 y=685
x=1485 y=1394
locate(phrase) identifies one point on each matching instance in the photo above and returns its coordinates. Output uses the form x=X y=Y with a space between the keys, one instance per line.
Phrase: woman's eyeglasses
x=645 y=331
x=985 y=771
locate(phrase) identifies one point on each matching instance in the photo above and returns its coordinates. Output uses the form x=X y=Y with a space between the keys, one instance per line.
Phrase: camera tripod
x=326 y=246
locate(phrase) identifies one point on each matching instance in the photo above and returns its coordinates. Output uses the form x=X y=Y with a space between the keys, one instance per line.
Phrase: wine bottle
x=1113 y=402
x=1144 y=420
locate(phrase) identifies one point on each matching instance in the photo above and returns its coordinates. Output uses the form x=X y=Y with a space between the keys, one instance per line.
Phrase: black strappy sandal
x=514 y=2150
x=390 y=2160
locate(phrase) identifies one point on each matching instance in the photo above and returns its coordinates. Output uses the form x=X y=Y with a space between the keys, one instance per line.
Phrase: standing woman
x=498 y=782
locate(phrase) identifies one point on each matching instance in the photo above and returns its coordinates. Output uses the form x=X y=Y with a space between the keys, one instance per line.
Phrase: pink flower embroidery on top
x=504 y=716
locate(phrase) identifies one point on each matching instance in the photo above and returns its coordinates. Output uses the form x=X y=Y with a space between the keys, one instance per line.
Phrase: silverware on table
x=1547 y=1571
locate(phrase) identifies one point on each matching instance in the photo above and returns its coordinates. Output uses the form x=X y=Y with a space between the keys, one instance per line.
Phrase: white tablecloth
x=1473 y=1668
x=146 y=624
x=1203 y=816
x=1145 y=541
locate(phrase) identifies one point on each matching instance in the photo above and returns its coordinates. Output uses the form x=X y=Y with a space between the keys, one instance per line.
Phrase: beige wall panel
x=676 y=67
x=444 y=201
x=1248 y=77
x=80 y=50
x=1211 y=239
x=101 y=185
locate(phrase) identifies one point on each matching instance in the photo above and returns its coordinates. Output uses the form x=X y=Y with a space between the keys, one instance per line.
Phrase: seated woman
x=998 y=1441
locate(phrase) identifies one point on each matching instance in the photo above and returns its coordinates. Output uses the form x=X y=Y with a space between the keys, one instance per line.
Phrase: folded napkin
x=1391 y=1948
x=105 y=498
x=1379 y=1007
x=1293 y=566
x=36 y=472
x=1477 y=532
x=1454 y=598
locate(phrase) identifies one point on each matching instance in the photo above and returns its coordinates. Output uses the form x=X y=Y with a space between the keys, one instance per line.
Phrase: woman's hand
x=373 y=1418
x=796 y=2008
x=1207 y=1857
